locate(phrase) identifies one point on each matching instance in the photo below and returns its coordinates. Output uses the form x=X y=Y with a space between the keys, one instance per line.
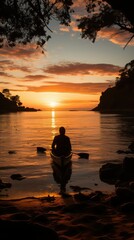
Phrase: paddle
x=81 y=155
x=41 y=149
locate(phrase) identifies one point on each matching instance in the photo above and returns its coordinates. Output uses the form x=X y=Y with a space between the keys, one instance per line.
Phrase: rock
x=124 y=193
x=131 y=185
x=110 y=172
x=4 y=184
x=17 y=177
x=128 y=207
x=11 y=152
x=128 y=169
x=131 y=147
x=25 y=230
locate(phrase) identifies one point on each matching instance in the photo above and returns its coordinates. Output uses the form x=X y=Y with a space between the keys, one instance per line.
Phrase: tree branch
x=128 y=41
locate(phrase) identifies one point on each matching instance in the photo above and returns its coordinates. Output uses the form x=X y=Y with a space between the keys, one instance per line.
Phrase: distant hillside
x=7 y=105
x=119 y=98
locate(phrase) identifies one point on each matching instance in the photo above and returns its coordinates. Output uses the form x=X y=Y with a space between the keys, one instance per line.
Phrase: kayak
x=61 y=160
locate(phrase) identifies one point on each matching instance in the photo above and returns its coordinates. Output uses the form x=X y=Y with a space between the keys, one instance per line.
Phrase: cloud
x=3 y=74
x=78 y=68
x=32 y=78
x=49 y=81
x=21 y=51
x=62 y=87
x=4 y=83
x=116 y=36
x=8 y=65
x=65 y=68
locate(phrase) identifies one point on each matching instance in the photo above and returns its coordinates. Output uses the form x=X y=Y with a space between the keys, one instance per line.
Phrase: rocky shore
x=80 y=216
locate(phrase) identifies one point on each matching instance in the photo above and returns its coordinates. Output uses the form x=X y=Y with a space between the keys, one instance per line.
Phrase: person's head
x=62 y=130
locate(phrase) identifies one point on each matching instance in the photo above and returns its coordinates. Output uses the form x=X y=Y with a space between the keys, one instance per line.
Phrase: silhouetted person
x=61 y=144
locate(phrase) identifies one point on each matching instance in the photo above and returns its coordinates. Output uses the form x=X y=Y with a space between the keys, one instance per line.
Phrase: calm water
x=100 y=135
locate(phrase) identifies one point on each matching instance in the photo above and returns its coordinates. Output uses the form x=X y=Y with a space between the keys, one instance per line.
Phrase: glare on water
x=100 y=135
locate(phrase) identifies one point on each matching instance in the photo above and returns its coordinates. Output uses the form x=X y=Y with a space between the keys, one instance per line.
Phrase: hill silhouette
x=8 y=105
x=119 y=98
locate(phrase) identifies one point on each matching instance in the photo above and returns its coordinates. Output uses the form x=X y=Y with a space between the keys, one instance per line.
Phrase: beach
x=80 y=216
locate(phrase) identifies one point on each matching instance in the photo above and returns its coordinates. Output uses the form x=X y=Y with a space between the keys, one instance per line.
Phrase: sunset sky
x=71 y=73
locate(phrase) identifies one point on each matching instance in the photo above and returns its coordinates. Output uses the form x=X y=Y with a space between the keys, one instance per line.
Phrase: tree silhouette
x=107 y=13
x=6 y=93
x=26 y=21
x=126 y=75
x=16 y=99
x=10 y=103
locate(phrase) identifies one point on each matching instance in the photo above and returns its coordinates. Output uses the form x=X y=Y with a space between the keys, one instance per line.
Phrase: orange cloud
x=114 y=35
x=8 y=65
x=78 y=68
x=3 y=74
x=32 y=78
x=62 y=87
x=23 y=51
x=65 y=69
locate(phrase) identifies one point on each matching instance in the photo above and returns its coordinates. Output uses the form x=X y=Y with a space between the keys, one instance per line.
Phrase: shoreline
x=11 y=194
x=79 y=216
x=85 y=214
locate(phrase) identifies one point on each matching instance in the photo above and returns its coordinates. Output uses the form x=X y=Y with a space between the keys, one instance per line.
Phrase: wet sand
x=80 y=216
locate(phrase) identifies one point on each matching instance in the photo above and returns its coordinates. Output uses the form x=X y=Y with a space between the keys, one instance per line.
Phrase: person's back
x=61 y=144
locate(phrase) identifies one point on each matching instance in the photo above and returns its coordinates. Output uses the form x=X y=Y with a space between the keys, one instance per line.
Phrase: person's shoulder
x=67 y=137
x=57 y=136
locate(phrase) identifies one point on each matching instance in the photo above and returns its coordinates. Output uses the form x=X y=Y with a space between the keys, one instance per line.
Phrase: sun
x=53 y=104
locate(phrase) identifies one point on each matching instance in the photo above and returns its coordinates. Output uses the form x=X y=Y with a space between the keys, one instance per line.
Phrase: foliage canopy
x=126 y=75
x=25 y=21
x=107 y=13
